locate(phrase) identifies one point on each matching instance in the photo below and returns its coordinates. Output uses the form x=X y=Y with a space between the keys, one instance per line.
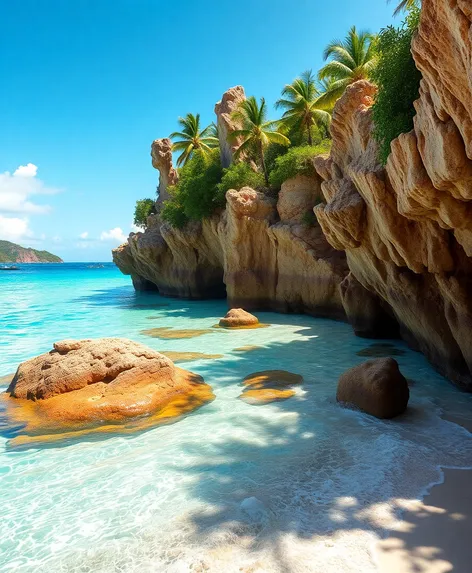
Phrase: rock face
x=226 y=125
x=402 y=233
x=377 y=387
x=246 y=254
x=161 y=153
x=90 y=384
x=237 y=317
x=406 y=229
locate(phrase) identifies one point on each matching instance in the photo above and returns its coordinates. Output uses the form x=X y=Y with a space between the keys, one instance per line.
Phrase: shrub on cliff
x=398 y=81
x=173 y=211
x=237 y=176
x=196 y=194
x=144 y=208
x=297 y=161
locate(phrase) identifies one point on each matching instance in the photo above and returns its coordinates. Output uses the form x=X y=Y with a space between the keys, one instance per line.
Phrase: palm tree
x=406 y=5
x=256 y=132
x=191 y=138
x=352 y=59
x=300 y=101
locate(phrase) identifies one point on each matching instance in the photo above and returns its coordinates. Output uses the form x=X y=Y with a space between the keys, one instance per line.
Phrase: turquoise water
x=301 y=485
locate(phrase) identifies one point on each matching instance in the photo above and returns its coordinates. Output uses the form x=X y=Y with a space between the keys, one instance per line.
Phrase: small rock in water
x=238 y=318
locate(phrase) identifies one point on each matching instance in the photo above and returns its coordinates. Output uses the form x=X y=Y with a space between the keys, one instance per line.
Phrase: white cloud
x=83 y=235
x=29 y=170
x=136 y=228
x=14 y=229
x=115 y=235
x=17 y=189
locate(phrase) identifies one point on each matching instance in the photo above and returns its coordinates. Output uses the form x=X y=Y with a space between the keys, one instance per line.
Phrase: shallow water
x=328 y=482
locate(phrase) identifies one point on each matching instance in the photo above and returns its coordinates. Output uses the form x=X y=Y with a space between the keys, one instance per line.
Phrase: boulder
x=376 y=387
x=86 y=384
x=238 y=317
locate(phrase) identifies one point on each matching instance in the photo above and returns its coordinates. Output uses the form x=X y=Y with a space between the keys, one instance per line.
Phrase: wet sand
x=435 y=534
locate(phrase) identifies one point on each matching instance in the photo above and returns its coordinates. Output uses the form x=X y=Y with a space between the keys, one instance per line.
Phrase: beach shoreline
x=433 y=535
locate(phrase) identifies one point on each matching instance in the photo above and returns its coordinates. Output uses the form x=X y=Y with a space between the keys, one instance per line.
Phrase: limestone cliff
x=249 y=253
x=407 y=229
x=393 y=248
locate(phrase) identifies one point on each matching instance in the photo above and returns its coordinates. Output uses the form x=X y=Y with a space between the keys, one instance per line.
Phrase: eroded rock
x=225 y=122
x=161 y=153
x=244 y=254
x=406 y=229
x=102 y=385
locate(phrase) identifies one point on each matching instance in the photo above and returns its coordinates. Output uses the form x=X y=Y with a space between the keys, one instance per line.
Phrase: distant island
x=12 y=253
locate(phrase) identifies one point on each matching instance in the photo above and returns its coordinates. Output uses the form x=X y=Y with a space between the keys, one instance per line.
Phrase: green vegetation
x=302 y=110
x=271 y=151
x=406 y=5
x=237 y=176
x=352 y=59
x=309 y=219
x=191 y=138
x=13 y=253
x=398 y=80
x=196 y=195
x=297 y=161
x=144 y=208
x=256 y=132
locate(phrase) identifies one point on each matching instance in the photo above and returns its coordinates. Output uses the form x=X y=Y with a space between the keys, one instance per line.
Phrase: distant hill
x=11 y=253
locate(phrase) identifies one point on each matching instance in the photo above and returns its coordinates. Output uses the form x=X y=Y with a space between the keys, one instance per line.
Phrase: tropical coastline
x=274 y=374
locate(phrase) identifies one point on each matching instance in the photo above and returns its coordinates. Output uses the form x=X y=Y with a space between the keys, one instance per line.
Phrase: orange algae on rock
x=248 y=348
x=97 y=387
x=269 y=386
x=266 y=395
x=169 y=333
x=244 y=327
x=272 y=378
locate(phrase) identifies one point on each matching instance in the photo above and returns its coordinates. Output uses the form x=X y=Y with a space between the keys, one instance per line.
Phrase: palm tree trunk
x=310 y=139
x=264 y=166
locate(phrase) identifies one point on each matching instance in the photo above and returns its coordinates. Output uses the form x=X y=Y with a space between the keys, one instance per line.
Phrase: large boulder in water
x=376 y=387
x=88 y=384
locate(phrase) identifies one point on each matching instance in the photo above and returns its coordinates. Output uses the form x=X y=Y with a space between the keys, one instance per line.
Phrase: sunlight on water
x=300 y=485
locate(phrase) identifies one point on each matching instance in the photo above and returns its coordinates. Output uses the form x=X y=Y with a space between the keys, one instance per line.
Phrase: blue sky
x=88 y=84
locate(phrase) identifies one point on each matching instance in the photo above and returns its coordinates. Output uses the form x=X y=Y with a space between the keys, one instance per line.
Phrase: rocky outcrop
x=89 y=384
x=406 y=229
x=161 y=153
x=247 y=253
x=238 y=317
x=226 y=124
x=182 y=263
x=376 y=387
x=393 y=247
